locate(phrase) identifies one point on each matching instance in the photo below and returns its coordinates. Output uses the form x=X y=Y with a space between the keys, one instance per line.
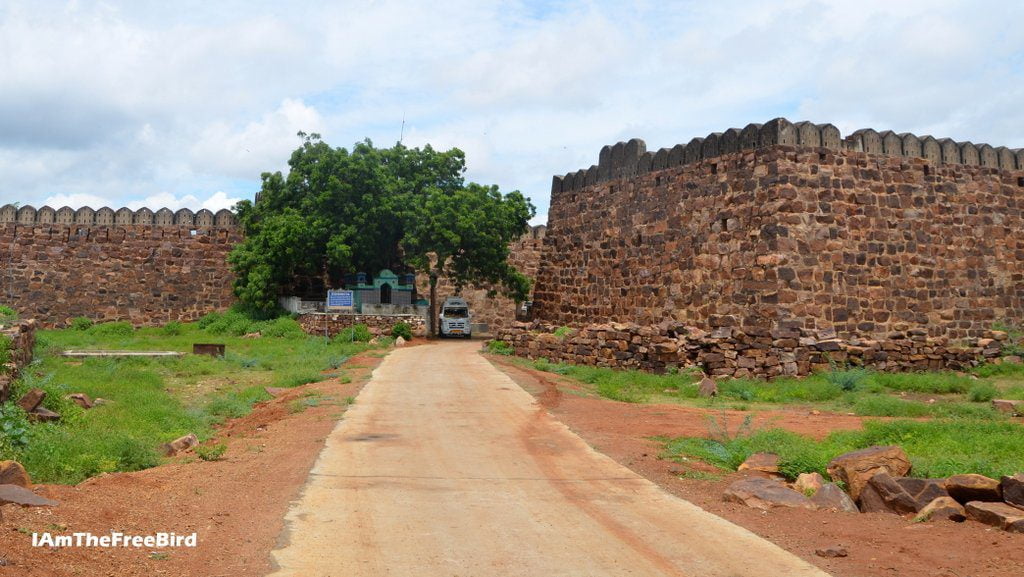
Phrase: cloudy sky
x=185 y=103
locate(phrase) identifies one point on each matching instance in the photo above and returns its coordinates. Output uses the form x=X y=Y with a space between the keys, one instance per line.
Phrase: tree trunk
x=432 y=328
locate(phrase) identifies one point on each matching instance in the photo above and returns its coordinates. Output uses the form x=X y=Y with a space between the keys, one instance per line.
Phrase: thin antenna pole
x=401 y=136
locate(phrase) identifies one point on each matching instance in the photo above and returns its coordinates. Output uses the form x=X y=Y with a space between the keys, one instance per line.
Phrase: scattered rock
x=831 y=497
x=763 y=462
x=809 y=483
x=12 y=473
x=835 y=551
x=1006 y=517
x=708 y=387
x=761 y=493
x=98 y=402
x=942 y=508
x=252 y=336
x=81 y=399
x=883 y=494
x=1010 y=407
x=22 y=496
x=971 y=487
x=31 y=400
x=43 y=415
x=1013 y=489
x=275 y=391
x=179 y=445
x=856 y=468
x=400 y=342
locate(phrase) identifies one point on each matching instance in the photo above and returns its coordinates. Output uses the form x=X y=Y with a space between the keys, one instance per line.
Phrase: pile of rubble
x=876 y=482
x=728 y=350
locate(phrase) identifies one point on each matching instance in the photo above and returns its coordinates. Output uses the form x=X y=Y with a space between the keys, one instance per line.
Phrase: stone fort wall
x=790 y=226
x=142 y=266
x=150 y=267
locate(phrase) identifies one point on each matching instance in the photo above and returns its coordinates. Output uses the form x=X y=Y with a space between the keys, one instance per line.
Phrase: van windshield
x=456 y=313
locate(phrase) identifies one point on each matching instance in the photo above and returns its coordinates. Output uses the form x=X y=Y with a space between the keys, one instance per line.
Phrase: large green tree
x=339 y=211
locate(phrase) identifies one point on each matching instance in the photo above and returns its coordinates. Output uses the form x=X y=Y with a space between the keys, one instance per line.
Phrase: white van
x=455 y=318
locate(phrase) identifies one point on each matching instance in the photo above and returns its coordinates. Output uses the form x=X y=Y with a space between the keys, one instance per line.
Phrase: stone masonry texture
x=791 y=237
x=145 y=274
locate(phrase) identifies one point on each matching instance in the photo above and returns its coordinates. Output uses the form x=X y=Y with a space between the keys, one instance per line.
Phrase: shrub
x=173 y=328
x=982 y=393
x=497 y=347
x=81 y=323
x=282 y=327
x=358 y=333
x=13 y=429
x=211 y=452
x=402 y=330
x=848 y=380
x=208 y=319
x=5 y=351
x=115 y=329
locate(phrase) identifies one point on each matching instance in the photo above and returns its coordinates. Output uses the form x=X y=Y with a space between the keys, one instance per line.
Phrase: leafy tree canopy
x=341 y=211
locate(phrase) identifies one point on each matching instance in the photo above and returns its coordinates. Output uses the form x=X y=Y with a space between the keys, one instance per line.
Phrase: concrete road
x=445 y=467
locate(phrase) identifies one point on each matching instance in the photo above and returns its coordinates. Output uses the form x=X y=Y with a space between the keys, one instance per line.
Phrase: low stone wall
x=23 y=338
x=730 y=352
x=379 y=325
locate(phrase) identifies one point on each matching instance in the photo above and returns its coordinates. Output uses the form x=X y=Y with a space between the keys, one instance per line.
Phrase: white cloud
x=106 y=103
x=213 y=202
x=257 y=147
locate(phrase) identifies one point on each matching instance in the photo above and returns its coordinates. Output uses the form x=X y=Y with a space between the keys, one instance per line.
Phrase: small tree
x=464 y=235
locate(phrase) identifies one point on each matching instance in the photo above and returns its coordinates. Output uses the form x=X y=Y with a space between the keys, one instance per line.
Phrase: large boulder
x=971 y=487
x=883 y=494
x=761 y=493
x=12 y=473
x=942 y=508
x=831 y=497
x=1013 y=489
x=1006 y=517
x=855 y=469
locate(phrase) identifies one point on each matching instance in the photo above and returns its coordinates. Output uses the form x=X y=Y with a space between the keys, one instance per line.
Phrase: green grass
x=860 y=391
x=152 y=400
x=497 y=347
x=628 y=386
x=936 y=448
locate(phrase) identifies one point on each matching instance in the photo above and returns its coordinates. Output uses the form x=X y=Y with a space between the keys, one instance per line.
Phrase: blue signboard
x=339 y=299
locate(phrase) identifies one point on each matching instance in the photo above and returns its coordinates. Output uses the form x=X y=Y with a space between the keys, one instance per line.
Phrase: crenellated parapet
x=29 y=215
x=629 y=159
